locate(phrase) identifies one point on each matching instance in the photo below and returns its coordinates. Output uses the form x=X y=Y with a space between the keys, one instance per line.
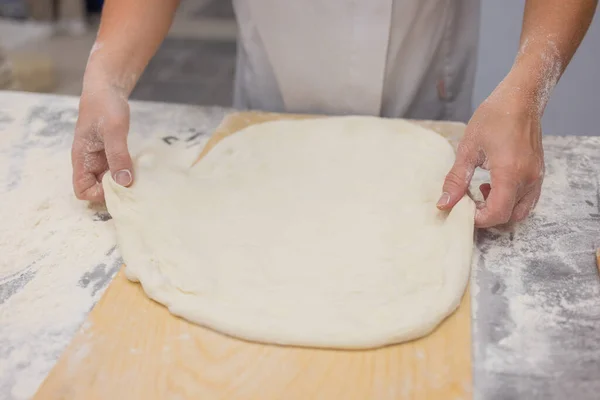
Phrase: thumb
x=458 y=179
x=119 y=160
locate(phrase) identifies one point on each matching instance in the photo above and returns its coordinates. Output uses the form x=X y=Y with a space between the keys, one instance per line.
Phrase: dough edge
x=173 y=298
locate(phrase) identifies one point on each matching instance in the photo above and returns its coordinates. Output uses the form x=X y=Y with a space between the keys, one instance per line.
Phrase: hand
x=100 y=142
x=503 y=136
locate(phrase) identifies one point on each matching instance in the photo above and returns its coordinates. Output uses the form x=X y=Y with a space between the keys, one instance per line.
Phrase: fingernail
x=123 y=177
x=444 y=200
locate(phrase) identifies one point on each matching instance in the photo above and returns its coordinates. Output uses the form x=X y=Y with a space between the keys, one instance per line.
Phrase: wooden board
x=132 y=348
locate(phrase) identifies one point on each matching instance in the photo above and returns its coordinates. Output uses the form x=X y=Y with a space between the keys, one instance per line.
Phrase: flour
x=549 y=70
x=536 y=285
x=552 y=69
x=57 y=255
x=48 y=242
x=548 y=266
x=96 y=47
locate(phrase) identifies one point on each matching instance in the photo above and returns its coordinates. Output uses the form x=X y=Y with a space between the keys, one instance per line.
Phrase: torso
x=393 y=58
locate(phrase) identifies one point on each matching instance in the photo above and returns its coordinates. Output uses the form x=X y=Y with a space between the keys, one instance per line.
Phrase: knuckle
x=464 y=149
x=112 y=128
x=78 y=193
x=85 y=190
x=525 y=171
x=499 y=217
x=80 y=146
x=101 y=126
x=83 y=132
x=117 y=155
x=453 y=179
x=536 y=174
x=527 y=176
x=506 y=181
x=87 y=138
x=519 y=216
x=79 y=189
x=503 y=218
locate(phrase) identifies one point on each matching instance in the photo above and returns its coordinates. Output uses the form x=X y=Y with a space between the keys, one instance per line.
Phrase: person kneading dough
x=324 y=232
x=390 y=58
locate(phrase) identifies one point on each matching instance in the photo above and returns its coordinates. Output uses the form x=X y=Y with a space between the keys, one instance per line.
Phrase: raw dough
x=320 y=232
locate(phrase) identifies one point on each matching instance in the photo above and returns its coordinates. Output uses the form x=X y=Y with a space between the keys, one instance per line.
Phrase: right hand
x=100 y=142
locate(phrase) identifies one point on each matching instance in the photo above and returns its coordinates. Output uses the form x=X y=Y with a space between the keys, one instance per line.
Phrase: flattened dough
x=320 y=232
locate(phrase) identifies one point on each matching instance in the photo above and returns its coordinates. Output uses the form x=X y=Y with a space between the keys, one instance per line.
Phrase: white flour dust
x=57 y=254
x=531 y=272
x=96 y=47
x=49 y=242
x=547 y=73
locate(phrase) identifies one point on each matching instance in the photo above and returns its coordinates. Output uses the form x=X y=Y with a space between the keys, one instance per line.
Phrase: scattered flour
x=547 y=72
x=536 y=293
x=97 y=46
x=57 y=255
x=536 y=284
x=48 y=280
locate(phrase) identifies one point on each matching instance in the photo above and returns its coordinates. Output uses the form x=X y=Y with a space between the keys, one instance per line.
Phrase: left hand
x=504 y=136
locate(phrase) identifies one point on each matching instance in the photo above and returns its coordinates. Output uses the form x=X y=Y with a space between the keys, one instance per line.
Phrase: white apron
x=393 y=58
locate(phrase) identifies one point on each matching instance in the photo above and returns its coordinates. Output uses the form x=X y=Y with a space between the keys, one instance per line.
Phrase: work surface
x=536 y=292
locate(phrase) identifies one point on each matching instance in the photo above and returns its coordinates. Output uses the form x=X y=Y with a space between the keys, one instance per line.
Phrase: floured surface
x=57 y=255
x=535 y=327
x=537 y=291
x=319 y=232
x=178 y=359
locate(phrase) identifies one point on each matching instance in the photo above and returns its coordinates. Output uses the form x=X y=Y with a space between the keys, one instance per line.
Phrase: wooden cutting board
x=132 y=348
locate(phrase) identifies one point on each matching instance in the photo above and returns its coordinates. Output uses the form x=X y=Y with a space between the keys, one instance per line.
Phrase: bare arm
x=130 y=33
x=552 y=32
x=504 y=135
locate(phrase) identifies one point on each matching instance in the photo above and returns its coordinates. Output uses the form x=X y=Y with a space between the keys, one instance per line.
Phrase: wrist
x=98 y=78
x=514 y=102
x=525 y=91
x=109 y=69
x=534 y=75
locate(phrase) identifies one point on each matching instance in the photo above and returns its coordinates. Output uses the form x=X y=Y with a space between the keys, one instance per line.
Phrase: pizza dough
x=320 y=232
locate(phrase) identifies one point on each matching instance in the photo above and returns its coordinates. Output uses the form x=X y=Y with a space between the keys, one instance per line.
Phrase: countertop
x=535 y=287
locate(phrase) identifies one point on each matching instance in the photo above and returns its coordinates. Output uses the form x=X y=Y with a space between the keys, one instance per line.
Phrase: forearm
x=129 y=35
x=552 y=32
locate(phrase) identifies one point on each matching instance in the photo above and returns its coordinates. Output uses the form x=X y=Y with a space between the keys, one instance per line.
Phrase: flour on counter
x=536 y=332
x=537 y=287
x=57 y=255
x=49 y=241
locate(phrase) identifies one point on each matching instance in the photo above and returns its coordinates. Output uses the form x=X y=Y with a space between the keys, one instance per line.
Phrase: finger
x=119 y=160
x=525 y=205
x=500 y=203
x=86 y=167
x=458 y=179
